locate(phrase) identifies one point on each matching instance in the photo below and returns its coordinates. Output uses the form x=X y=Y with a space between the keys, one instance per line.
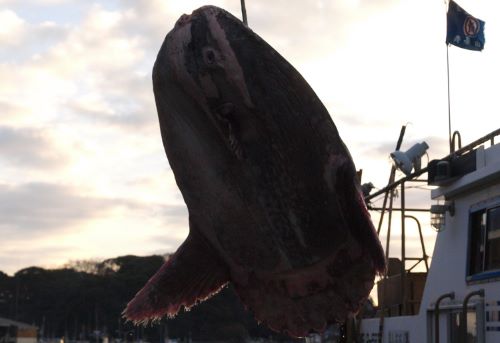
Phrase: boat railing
x=451 y=296
x=465 y=305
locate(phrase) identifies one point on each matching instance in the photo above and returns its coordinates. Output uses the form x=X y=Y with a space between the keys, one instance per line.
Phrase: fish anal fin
x=191 y=275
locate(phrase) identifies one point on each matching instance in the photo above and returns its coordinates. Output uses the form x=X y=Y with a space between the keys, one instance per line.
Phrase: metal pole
x=397 y=183
x=424 y=254
x=449 y=103
x=381 y=220
x=450 y=295
x=381 y=325
x=389 y=223
x=391 y=178
x=371 y=208
x=411 y=177
x=489 y=136
x=464 y=312
x=403 y=253
x=244 y=12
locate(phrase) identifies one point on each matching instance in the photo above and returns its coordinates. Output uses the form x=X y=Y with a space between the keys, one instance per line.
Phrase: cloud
x=31 y=148
x=96 y=60
x=172 y=214
x=290 y=25
x=99 y=69
x=11 y=28
x=114 y=107
x=45 y=256
x=11 y=110
x=65 y=222
x=77 y=103
x=21 y=40
x=38 y=207
x=77 y=106
x=45 y=208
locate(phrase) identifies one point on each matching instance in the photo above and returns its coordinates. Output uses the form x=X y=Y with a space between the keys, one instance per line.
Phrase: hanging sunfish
x=274 y=202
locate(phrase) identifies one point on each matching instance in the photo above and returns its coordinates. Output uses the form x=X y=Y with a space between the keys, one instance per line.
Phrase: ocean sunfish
x=274 y=203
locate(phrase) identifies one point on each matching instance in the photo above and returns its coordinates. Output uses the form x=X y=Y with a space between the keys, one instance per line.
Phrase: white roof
x=9 y=322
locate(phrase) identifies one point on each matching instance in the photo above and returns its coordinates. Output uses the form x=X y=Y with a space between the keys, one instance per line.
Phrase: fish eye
x=209 y=56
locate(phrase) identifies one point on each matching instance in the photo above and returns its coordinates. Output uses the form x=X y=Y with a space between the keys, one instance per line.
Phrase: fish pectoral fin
x=193 y=274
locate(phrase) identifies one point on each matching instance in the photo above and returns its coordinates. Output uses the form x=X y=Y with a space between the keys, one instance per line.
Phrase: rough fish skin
x=273 y=199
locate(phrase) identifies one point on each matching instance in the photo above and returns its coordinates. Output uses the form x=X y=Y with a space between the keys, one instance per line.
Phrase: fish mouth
x=183 y=20
x=228 y=128
x=204 y=10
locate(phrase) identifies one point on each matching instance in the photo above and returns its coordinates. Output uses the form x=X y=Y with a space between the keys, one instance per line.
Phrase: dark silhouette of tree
x=84 y=300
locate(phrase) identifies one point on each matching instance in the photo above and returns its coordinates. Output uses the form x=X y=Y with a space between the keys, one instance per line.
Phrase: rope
x=244 y=12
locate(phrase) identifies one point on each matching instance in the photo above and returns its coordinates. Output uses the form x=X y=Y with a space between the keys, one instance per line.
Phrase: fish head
x=198 y=79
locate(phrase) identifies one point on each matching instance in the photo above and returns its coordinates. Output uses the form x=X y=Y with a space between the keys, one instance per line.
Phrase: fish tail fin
x=191 y=275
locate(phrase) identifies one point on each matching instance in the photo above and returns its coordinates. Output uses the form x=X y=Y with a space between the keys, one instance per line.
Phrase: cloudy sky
x=82 y=168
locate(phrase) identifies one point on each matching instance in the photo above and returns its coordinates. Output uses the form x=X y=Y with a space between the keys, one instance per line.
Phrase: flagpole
x=466 y=32
x=449 y=106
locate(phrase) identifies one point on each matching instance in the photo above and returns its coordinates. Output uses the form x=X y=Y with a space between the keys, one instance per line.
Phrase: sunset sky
x=83 y=173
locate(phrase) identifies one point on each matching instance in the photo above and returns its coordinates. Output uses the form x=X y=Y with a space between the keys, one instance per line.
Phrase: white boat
x=458 y=299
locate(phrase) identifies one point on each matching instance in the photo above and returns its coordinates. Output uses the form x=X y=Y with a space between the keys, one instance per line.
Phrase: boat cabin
x=458 y=299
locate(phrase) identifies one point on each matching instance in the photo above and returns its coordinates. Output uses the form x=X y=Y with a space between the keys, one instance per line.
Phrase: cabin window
x=484 y=243
x=493 y=240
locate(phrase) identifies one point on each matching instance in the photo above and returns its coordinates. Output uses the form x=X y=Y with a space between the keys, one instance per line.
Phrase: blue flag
x=464 y=30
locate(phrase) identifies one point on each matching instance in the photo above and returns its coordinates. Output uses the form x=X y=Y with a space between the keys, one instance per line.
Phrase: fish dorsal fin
x=193 y=274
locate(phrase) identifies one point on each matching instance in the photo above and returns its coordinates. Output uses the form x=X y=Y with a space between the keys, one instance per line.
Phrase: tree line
x=84 y=300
